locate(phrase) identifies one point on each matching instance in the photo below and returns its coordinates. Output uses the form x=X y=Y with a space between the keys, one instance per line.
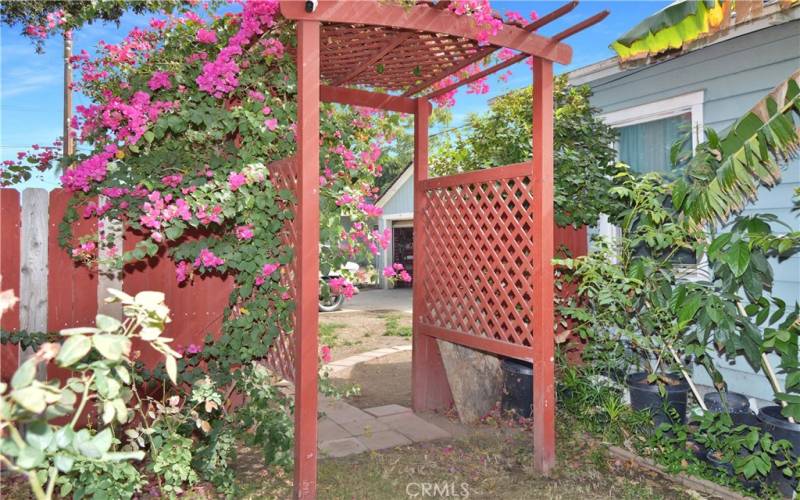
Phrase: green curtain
x=646 y=146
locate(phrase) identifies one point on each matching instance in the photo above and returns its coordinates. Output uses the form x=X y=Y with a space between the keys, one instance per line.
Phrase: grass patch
x=327 y=333
x=487 y=464
x=394 y=328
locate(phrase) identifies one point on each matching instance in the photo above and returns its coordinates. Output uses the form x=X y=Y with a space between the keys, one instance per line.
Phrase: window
x=646 y=146
x=646 y=135
x=648 y=131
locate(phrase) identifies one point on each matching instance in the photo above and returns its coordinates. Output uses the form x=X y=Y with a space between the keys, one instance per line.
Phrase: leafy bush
x=32 y=444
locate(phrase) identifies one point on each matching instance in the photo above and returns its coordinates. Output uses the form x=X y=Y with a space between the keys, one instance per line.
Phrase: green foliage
x=597 y=403
x=393 y=327
x=102 y=481
x=583 y=153
x=42 y=450
x=173 y=463
x=27 y=340
x=728 y=169
x=629 y=287
x=264 y=420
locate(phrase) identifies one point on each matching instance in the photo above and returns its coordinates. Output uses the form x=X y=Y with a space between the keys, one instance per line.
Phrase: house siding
x=734 y=74
x=403 y=201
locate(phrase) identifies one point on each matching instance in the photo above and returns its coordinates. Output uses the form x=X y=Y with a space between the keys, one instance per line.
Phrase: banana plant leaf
x=679 y=23
x=727 y=170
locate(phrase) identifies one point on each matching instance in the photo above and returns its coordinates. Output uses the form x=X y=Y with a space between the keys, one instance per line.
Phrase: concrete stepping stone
x=360 y=427
x=342 y=413
x=328 y=430
x=414 y=428
x=342 y=447
x=386 y=410
x=384 y=439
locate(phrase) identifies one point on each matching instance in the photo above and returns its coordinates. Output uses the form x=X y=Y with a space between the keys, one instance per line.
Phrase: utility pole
x=69 y=145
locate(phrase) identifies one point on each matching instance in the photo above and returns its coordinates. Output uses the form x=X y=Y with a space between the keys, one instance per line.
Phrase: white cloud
x=18 y=81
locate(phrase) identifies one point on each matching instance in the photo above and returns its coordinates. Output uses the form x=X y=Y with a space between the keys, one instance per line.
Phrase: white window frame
x=692 y=103
x=665 y=108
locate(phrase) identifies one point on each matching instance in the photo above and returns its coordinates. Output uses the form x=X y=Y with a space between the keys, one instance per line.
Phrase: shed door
x=403 y=251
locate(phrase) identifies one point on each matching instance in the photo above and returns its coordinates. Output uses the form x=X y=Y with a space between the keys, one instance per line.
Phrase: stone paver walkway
x=345 y=430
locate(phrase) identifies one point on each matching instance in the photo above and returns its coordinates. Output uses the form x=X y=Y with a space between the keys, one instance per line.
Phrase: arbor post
x=429 y=387
x=307 y=263
x=542 y=280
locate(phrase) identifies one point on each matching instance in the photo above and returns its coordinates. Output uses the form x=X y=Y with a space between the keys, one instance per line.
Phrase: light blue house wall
x=733 y=75
x=398 y=209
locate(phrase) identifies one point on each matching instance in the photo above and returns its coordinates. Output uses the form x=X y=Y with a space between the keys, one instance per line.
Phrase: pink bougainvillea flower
x=389 y=272
x=236 y=180
x=182 y=271
x=269 y=268
x=172 y=180
x=405 y=276
x=244 y=232
x=206 y=36
x=256 y=95
x=341 y=285
x=344 y=200
x=266 y=110
x=194 y=349
x=159 y=80
x=325 y=354
x=208 y=259
x=271 y=124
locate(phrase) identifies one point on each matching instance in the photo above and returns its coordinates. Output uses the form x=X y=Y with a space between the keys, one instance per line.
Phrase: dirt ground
x=353 y=332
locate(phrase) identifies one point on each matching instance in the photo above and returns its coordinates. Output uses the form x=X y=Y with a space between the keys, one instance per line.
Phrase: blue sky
x=30 y=84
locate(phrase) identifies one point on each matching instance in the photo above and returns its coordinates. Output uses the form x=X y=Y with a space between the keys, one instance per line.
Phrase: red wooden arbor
x=483 y=240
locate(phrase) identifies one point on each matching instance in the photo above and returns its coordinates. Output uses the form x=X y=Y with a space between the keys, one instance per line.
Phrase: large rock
x=475 y=378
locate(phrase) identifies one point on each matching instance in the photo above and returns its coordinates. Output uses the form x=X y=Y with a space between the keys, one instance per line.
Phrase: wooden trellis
x=483 y=241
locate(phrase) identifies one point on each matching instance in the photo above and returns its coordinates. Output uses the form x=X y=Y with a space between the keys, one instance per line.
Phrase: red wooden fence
x=72 y=289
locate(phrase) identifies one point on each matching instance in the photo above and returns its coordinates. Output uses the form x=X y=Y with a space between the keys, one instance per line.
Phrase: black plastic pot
x=771 y=420
x=738 y=407
x=645 y=396
x=517 y=387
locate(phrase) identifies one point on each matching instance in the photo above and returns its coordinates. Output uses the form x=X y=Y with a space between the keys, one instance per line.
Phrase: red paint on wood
x=544 y=404
x=10 y=219
x=307 y=260
x=355 y=97
x=429 y=386
x=431 y=20
x=71 y=287
x=196 y=307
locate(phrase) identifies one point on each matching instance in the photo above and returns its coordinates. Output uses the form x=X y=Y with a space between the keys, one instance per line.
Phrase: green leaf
x=107 y=323
x=30 y=458
x=73 y=350
x=112 y=347
x=31 y=398
x=172 y=369
x=103 y=440
x=39 y=435
x=63 y=462
x=737 y=258
x=149 y=299
x=24 y=375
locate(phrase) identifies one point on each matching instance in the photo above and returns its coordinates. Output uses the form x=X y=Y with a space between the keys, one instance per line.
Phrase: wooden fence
x=55 y=292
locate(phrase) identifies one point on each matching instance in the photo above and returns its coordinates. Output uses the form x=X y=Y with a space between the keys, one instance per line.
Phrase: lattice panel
x=479 y=259
x=419 y=56
x=283 y=174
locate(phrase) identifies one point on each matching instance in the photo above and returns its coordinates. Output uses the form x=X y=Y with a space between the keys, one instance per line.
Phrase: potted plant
x=630 y=290
x=765 y=330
